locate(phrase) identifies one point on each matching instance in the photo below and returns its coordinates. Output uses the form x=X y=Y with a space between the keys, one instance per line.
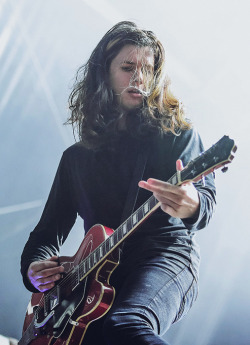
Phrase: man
x=124 y=113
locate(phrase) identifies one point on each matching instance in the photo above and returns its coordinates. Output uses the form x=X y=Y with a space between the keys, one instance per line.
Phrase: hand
x=178 y=201
x=43 y=274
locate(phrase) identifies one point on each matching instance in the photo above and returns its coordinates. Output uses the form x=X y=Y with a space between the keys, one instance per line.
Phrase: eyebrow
x=133 y=63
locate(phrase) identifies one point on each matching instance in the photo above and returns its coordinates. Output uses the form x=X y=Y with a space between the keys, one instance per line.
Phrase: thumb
x=179 y=165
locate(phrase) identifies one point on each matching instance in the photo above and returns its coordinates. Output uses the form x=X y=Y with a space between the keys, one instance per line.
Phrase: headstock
x=214 y=158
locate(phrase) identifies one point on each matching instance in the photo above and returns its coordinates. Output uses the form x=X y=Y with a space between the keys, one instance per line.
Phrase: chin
x=129 y=107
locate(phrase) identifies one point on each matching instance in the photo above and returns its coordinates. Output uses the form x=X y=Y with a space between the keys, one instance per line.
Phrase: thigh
x=153 y=292
x=156 y=293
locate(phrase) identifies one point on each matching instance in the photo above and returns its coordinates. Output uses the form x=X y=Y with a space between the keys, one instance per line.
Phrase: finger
x=45 y=287
x=154 y=185
x=174 y=202
x=164 y=189
x=47 y=280
x=53 y=258
x=179 y=165
x=45 y=283
x=49 y=272
x=37 y=266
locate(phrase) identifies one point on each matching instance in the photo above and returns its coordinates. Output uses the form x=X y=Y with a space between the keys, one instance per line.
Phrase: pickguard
x=67 y=307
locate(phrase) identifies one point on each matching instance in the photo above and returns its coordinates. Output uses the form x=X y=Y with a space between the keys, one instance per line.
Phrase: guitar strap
x=133 y=187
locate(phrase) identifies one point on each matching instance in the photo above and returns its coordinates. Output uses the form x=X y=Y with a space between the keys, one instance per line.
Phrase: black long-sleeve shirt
x=94 y=186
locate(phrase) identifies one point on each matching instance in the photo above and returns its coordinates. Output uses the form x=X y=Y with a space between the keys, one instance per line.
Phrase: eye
x=127 y=68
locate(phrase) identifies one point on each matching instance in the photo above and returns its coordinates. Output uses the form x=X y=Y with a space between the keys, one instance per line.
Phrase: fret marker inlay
x=146 y=208
x=134 y=218
x=124 y=228
x=111 y=241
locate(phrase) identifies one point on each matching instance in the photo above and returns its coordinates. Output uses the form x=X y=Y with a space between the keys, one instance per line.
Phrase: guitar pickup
x=54 y=298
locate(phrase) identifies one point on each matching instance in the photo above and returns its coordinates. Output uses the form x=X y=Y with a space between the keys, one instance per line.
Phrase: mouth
x=137 y=91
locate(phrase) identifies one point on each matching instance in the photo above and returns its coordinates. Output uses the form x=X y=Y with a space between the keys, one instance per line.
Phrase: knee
x=121 y=327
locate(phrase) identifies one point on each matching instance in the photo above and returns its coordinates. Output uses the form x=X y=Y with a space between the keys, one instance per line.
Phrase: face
x=129 y=75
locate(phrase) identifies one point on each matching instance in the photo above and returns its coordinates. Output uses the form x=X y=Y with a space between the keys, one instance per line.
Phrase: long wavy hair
x=94 y=113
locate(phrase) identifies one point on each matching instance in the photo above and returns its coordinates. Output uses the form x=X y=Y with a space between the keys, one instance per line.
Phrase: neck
x=122 y=123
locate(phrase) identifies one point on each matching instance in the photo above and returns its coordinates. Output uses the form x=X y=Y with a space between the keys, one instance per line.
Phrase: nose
x=138 y=76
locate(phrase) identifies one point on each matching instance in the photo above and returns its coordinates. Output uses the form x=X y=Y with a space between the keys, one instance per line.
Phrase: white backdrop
x=42 y=43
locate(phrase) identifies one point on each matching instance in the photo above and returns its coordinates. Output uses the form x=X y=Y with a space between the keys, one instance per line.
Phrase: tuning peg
x=225 y=169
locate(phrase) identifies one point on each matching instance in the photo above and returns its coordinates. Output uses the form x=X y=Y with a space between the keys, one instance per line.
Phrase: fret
x=97 y=251
x=94 y=257
x=88 y=263
x=152 y=202
x=124 y=228
x=116 y=236
x=111 y=238
x=91 y=260
x=83 y=268
x=107 y=246
x=101 y=251
x=140 y=214
x=129 y=224
x=119 y=234
x=145 y=208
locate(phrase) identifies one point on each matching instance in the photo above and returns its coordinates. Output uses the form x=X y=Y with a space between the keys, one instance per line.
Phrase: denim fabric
x=150 y=299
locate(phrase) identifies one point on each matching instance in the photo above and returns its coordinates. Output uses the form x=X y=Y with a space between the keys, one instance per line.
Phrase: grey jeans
x=149 y=300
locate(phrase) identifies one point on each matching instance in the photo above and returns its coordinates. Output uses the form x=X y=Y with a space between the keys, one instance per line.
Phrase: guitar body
x=90 y=300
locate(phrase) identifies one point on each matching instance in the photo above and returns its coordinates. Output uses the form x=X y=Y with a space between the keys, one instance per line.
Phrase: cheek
x=119 y=79
x=120 y=83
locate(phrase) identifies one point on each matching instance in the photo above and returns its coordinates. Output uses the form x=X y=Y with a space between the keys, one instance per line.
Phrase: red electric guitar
x=61 y=315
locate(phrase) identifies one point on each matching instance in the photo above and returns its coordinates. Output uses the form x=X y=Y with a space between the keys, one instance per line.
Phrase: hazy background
x=42 y=43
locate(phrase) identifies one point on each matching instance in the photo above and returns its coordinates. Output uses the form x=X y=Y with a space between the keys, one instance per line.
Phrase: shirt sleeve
x=187 y=147
x=57 y=219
